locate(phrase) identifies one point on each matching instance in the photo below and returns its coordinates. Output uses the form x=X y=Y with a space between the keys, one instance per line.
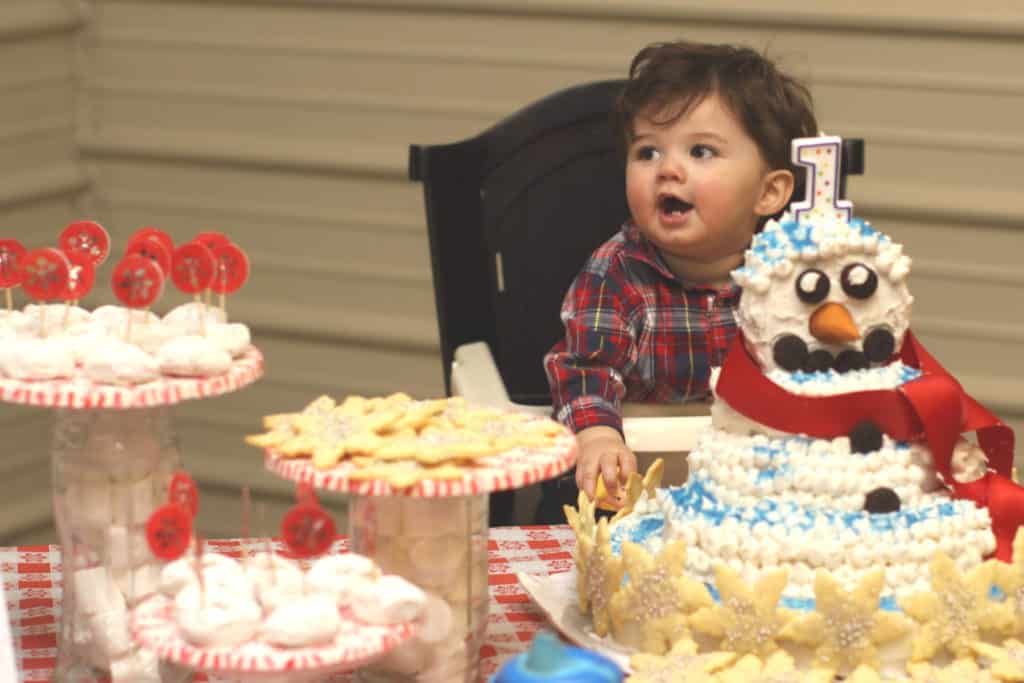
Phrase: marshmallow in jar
x=440 y=545
x=111 y=471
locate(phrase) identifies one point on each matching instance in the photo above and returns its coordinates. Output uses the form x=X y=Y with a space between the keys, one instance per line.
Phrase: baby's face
x=693 y=185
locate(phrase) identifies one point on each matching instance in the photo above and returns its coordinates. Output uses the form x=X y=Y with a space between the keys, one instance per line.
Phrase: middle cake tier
x=759 y=503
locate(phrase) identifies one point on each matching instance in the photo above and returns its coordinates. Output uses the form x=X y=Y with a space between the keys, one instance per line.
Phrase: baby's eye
x=646 y=153
x=703 y=152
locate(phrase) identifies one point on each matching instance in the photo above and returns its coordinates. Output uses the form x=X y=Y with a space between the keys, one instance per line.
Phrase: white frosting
x=116 y=362
x=189 y=317
x=772 y=308
x=308 y=621
x=193 y=356
x=232 y=337
x=388 y=600
x=37 y=359
x=786 y=502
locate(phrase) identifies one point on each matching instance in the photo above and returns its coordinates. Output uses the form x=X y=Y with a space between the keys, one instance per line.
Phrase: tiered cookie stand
x=434 y=534
x=155 y=626
x=113 y=454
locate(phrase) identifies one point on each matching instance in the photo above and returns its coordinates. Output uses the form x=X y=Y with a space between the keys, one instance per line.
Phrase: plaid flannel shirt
x=634 y=332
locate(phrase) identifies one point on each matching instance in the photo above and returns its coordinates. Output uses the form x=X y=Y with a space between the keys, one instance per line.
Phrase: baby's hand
x=602 y=451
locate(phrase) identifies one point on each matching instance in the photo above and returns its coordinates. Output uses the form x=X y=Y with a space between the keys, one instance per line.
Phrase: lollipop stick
x=128 y=327
x=67 y=314
x=199 y=571
x=10 y=299
x=42 y=320
x=224 y=305
x=246 y=507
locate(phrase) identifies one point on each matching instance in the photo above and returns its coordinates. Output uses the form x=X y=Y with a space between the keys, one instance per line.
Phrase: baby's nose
x=672 y=167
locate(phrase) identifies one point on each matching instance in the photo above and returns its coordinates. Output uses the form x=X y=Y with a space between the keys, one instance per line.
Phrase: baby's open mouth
x=673 y=205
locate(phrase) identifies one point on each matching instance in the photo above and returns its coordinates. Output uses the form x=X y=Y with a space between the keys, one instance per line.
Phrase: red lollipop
x=212 y=240
x=86 y=237
x=232 y=269
x=11 y=252
x=137 y=281
x=192 y=267
x=150 y=232
x=169 y=531
x=307 y=530
x=81 y=278
x=182 y=491
x=153 y=249
x=46 y=273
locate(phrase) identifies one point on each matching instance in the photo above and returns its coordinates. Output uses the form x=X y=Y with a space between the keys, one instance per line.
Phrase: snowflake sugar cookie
x=650 y=612
x=846 y=627
x=748 y=620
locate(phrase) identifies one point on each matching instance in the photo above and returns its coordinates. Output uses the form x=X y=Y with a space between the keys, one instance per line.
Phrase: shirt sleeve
x=586 y=369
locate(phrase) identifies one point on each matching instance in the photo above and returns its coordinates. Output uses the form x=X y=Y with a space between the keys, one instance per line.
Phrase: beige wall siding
x=286 y=125
x=41 y=183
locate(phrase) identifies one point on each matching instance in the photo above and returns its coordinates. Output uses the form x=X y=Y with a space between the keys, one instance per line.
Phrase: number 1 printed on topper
x=821 y=156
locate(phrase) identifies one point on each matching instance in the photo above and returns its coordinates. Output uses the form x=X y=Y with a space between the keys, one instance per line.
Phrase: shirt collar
x=639 y=248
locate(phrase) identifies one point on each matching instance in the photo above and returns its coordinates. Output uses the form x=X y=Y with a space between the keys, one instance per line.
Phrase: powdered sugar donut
x=311 y=620
x=37 y=359
x=216 y=617
x=232 y=337
x=193 y=356
x=340 y=575
x=56 y=316
x=115 y=318
x=116 y=362
x=182 y=572
x=388 y=600
x=277 y=580
x=151 y=336
x=189 y=317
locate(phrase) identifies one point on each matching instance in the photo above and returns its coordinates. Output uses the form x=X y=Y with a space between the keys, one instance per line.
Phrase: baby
x=707 y=131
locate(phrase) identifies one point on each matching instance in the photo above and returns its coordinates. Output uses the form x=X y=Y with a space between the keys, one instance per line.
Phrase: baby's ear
x=776 y=189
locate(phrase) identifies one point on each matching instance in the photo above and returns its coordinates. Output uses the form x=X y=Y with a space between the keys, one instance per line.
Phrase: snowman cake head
x=821 y=290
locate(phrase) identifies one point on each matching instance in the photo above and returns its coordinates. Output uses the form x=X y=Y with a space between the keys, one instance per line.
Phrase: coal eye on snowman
x=859 y=281
x=812 y=286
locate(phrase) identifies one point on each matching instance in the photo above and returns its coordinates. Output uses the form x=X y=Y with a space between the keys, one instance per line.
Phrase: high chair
x=512 y=214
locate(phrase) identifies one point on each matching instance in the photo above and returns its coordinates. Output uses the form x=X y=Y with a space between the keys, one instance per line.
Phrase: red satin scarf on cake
x=933 y=408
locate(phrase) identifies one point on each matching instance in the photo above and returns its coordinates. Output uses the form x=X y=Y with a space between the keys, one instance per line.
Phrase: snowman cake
x=834 y=509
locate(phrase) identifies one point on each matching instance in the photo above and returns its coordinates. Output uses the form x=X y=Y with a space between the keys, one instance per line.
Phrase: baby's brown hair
x=668 y=79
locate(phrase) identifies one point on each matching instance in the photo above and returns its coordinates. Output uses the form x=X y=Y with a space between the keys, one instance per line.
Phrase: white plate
x=556 y=597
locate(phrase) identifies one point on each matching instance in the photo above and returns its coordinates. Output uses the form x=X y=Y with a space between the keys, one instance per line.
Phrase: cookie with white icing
x=341 y=575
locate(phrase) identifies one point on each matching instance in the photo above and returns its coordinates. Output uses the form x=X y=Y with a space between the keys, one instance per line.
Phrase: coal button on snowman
x=882 y=500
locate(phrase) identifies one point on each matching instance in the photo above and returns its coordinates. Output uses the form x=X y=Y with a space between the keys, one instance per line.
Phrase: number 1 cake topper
x=822 y=157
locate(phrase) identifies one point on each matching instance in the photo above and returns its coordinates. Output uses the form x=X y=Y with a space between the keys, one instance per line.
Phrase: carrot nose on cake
x=832 y=323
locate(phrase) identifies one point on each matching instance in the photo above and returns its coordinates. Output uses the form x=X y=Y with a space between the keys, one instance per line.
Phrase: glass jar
x=439 y=544
x=111 y=469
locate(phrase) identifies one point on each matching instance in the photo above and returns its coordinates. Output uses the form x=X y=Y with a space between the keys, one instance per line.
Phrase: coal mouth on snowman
x=670 y=204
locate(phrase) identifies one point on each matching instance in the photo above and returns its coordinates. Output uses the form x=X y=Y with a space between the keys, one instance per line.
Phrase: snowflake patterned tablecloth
x=31 y=576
